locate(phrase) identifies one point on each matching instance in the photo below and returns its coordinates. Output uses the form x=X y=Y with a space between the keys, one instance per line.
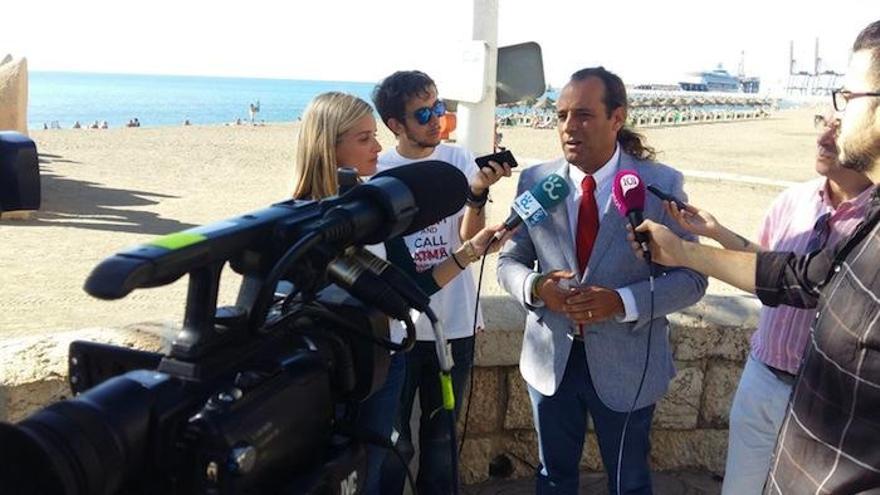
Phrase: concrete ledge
x=714 y=327
x=17 y=215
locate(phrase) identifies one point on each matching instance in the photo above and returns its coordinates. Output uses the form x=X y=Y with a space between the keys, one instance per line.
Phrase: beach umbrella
x=544 y=103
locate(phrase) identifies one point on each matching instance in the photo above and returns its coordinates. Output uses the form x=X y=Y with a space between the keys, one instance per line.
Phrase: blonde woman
x=339 y=130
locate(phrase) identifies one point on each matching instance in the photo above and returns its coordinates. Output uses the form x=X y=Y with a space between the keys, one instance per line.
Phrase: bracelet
x=456 y=261
x=470 y=251
x=476 y=201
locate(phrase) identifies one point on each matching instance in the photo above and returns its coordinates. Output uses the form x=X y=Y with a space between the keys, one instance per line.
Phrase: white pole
x=476 y=121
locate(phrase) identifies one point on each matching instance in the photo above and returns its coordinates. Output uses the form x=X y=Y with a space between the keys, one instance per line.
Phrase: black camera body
x=255 y=398
x=260 y=419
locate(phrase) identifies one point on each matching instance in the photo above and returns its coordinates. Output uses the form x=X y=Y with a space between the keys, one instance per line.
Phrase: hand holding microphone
x=665 y=246
x=488 y=241
x=533 y=206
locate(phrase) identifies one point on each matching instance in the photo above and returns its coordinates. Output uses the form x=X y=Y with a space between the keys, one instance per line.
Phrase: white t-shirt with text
x=454 y=303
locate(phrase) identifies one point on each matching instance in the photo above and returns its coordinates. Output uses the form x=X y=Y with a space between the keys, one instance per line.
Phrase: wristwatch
x=535 y=285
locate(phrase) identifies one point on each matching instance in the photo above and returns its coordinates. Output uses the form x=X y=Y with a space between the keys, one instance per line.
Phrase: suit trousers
x=561 y=423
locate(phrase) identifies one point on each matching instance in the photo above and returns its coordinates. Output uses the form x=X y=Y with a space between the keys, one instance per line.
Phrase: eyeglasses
x=842 y=96
x=823 y=122
x=423 y=115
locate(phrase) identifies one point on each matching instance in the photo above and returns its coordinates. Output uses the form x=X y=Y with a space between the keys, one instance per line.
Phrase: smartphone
x=500 y=158
x=656 y=191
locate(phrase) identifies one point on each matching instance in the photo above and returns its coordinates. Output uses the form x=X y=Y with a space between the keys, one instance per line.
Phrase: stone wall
x=710 y=342
x=33 y=369
x=13 y=94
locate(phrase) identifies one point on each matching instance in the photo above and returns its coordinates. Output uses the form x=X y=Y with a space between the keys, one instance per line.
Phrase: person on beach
x=408 y=104
x=337 y=130
x=802 y=219
x=253 y=110
x=592 y=312
x=828 y=439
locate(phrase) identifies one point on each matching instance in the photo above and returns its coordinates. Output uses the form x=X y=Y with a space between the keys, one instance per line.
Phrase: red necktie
x=588 y=222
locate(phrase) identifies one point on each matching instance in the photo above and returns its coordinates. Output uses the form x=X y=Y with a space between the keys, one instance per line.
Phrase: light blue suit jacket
x=615 y=351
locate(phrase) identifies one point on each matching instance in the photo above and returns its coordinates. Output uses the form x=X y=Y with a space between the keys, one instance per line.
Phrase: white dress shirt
x=604 y=178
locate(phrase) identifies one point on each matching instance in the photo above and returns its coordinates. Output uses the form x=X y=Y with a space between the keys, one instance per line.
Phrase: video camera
x=252 y=398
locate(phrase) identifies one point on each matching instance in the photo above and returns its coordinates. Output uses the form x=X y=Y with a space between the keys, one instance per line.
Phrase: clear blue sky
x=363 y=41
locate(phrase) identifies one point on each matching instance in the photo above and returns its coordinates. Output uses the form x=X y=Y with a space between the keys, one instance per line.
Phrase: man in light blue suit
x=589 y=299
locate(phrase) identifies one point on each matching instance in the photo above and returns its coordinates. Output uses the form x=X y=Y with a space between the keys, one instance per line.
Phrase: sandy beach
x=105 y=190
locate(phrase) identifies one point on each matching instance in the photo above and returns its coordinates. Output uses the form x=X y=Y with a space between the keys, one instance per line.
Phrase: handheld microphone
x=628 y=193
x=532 y=206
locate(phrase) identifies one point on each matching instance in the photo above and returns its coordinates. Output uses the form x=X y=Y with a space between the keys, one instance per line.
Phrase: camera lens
x=25 y=465
x=81 y=446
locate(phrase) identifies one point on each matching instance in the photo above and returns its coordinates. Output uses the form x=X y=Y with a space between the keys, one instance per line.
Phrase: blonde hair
x=328 y=117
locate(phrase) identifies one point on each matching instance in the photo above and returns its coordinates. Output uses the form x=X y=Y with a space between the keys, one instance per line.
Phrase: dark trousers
x=377 y=414
x=561 y=423
x=435 y=439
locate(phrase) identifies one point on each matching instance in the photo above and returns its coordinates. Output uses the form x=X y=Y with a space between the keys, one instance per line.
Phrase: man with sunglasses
x=409 y=106
x=803 y=219
x=829 y=436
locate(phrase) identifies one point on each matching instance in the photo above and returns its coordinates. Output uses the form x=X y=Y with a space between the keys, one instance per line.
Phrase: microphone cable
x=467 y=408
x=445 y=362
x=651 y=270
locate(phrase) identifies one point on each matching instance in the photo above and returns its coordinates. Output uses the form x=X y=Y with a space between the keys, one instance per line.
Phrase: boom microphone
x=396 y=202
x=439 y=190
x=532 y=206
x=628 y=193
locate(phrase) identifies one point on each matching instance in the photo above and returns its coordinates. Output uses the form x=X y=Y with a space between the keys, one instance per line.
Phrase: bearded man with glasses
x=803 y=219
x=828 y=441
x=408 y=104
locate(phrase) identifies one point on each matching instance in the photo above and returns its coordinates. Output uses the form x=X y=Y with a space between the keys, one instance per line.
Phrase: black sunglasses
x=423 y=115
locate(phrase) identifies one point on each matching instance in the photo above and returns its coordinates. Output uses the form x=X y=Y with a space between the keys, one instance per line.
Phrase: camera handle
x=198 y=333
x=205 y=326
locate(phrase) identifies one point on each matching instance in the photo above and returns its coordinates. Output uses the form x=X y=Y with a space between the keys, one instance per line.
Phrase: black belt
x=782 y=375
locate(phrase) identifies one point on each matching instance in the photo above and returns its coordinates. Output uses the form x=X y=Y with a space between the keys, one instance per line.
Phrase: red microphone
x=628 y=193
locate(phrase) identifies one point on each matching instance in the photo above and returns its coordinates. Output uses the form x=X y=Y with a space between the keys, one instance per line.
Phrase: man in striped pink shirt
x=802 y=219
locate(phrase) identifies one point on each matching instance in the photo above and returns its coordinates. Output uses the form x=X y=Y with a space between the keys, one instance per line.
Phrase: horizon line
x=214 y=76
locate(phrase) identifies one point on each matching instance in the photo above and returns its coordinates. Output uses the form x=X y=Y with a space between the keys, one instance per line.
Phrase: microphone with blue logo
x=534 y=205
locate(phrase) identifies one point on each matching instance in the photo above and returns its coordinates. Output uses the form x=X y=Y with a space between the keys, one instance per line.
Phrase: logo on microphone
x=529 y=208
x=555 y=187
x=628 y=182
